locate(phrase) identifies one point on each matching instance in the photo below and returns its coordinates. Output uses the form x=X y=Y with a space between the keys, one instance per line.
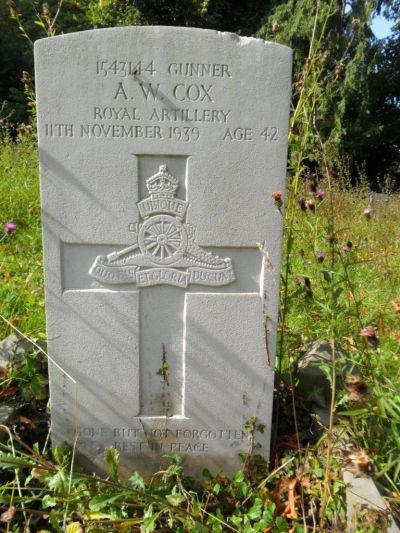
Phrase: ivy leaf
x=281 y=525
x=256 y=509
x=238 y=477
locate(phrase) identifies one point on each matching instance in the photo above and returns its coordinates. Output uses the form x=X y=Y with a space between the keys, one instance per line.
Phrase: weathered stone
x=160 y=149
x=314 y=384
x=12 y=349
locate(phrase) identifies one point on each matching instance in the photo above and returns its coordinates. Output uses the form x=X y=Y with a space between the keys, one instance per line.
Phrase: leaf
x=7 y=460
x=55 y=518
x=217 y=488
x=238 y=477
x=8 y=515
x=175 y=499
x=48 y=501
x=149 y=521
x=111 y=457
x=26 y=422
x=319 y=473
x=59 y=482
x=207 y=474
x=327 y=275
x=75 y=527
x=101 y=501
x=8 y=391
x=281 y=525
x=126 y=527
x=137 y=482
x=39 y=472
x=355 y=412
x=256 y=509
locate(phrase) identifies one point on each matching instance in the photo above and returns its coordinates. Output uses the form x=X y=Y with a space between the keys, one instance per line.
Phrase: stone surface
x=12 y=348
x=362 y=497
x=159 y=151
x=314 y=384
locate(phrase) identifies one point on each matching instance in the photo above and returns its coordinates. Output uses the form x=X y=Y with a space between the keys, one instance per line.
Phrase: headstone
x=159 y=151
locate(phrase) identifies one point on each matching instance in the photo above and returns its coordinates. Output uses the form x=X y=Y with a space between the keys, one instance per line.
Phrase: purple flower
x=319 y=194
x=10 y=227
x=320 y=257
x=345 y=248
x=297 y=282
x=17 y=140
x=369 y=334
x=367 y=212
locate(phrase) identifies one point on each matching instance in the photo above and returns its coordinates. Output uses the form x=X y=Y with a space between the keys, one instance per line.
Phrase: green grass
x=21 y=270
x=351 y=290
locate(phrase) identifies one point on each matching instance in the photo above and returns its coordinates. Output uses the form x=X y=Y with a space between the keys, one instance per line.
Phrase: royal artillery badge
x=165 y=252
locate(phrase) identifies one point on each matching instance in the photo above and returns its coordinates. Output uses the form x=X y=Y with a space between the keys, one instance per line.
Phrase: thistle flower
x=345 y=248
x=275 y=27
x=356 y=387
x=311 y=185
x=310 y=205
x=302 y=204
x=320 y=257
x=369 y=334
x=297 y=282
x=320 y=194
x=308 y=289
x=367 y=212
x=10 y=227
x=277 y=196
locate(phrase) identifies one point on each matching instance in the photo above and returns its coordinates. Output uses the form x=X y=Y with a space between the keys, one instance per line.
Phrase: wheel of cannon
x=163 y=239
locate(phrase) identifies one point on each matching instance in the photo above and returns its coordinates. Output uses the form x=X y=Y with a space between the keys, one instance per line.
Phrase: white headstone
x=159 y=151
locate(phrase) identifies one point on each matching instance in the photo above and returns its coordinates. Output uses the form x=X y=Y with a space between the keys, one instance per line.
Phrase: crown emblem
x=165 y=251
x=162 y=184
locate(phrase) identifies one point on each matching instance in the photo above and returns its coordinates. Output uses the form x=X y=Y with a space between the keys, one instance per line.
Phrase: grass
x=21 y=270
x=362 y=286
x=340 y=275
